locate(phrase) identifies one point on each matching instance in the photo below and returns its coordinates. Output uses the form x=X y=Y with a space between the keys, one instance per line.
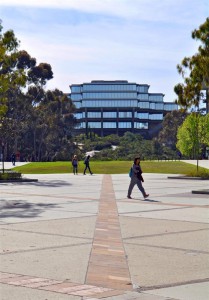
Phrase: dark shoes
x=146 y=196
x=129 y=197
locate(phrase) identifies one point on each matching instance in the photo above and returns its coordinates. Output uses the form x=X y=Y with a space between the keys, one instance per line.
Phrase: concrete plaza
x=79 y=237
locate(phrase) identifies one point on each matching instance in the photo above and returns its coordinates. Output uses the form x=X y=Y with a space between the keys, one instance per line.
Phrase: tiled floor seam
x=191 y=251
x=108 y=264
x=46 y=233
x=45 y=248
x=164 y=234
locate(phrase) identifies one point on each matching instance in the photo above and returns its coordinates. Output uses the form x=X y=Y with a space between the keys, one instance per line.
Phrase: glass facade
x=110 y=114
x=109 y=103
x=109 y=125
x=93 y=114
x=118 y=106
x=110 y=95
x=124 y=124
x=125 y=114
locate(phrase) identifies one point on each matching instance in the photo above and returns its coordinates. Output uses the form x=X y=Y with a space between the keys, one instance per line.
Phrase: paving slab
x=64 y=262
x=197 y=291
x=160 y=266
x=72 y=229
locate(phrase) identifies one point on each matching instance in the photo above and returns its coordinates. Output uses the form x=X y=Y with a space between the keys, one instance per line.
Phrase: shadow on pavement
x=51 y=183
x=23 y=209
x=150 y=200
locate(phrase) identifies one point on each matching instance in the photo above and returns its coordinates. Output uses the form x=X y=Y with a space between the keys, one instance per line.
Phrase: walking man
x=86 y=162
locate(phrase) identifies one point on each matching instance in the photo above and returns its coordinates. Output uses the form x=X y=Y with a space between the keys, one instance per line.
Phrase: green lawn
x=110 y=167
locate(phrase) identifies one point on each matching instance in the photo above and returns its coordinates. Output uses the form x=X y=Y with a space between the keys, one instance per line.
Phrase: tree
x=195 y=71
x=193 y=135
x=10 y=75
x=36 y=122
x=51 y=125
x=171 y=122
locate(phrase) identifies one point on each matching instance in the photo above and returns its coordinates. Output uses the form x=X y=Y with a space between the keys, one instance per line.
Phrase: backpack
x=130 y=172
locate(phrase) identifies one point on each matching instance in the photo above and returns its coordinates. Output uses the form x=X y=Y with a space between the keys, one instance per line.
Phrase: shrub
x=10 y=175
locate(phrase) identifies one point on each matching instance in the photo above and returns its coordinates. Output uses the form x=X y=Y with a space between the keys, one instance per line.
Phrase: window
x=109 y=124
x=142 y=88
x=92 y=114
x=125 y=114
x=143 y=104
x=141 y=125
x=171 y=106
x=124 y=125
x=109 y=103
x=77 y=104
x=109 y=87
x=94 y=125
x=156 y=116
x=143 y=97
x=109 y=114
x=76 y=97
x=159 y=106
x=78 y=115
x=75 y=89
x=156 y=98
x=110 y=95
x=141 y=115
x=81 y=125
x=152 y=106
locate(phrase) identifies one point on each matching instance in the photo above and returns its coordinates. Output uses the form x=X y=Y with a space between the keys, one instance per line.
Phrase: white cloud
x=150 y=10
x=136 y=40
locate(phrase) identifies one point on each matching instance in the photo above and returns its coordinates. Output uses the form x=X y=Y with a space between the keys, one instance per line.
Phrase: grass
x=112 y=167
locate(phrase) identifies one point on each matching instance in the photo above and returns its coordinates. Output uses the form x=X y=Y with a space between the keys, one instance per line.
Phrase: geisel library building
x=114 y=107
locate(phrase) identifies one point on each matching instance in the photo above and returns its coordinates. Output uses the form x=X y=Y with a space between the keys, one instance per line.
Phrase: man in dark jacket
x=86 y=162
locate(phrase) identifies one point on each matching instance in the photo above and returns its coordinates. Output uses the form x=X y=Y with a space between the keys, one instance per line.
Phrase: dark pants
x=135 y=181
x=87 y=167
x=75 y=170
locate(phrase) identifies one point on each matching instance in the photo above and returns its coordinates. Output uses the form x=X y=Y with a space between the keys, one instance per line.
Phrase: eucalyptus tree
x=195 y=71
x=18 y=73
x=10 y=75
x=51 y=126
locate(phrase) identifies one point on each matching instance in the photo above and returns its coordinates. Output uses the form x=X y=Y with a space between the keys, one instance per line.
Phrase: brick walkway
x=108 y=266
x=63 y=287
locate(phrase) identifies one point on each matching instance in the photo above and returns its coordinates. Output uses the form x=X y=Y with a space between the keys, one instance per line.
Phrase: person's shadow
x=150 y=200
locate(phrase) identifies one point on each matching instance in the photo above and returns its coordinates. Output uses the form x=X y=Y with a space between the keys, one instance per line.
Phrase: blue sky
x=136 y=40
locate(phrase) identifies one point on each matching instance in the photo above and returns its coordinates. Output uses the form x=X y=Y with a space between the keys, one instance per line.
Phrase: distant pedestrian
x=13 y=158
x=86 y=162
x=136 y=179
x=75 y=164
x=179 y=154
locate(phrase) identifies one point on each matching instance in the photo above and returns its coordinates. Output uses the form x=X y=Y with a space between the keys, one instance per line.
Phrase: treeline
x=35 y=123
x=127 y=147
x=183 y=136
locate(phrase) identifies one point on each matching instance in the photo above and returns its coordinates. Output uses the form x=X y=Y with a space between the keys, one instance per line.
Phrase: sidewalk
x=79 y=237
x=201 y=163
